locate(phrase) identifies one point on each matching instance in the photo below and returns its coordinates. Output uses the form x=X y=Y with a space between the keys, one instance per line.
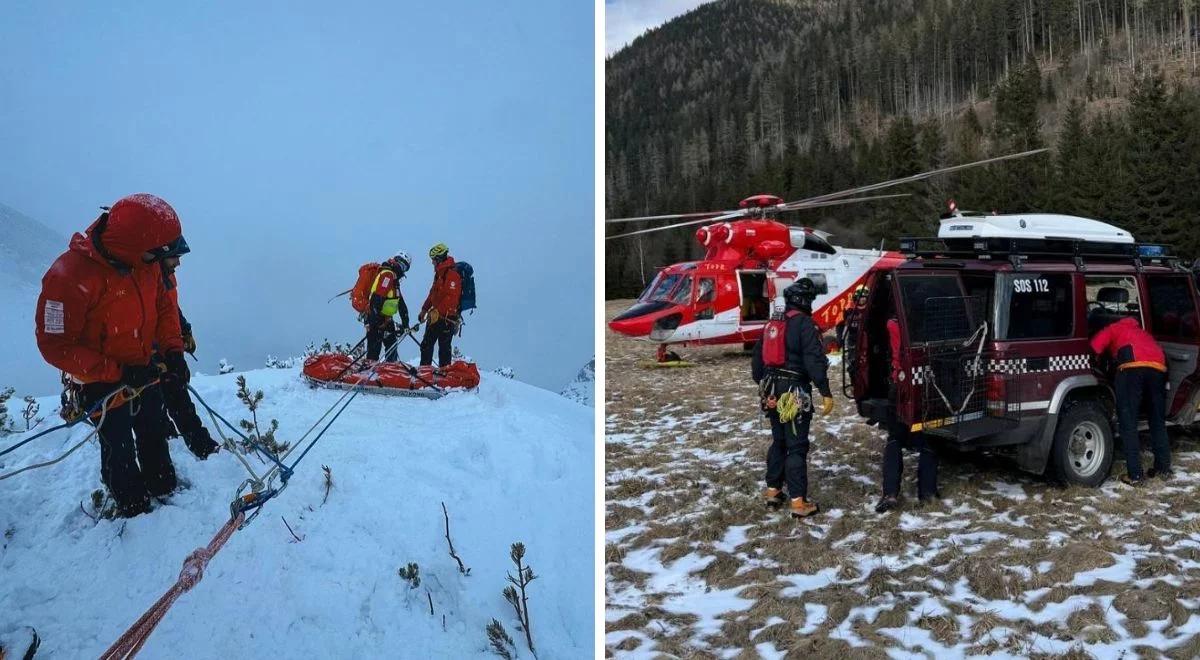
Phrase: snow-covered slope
x=27 y=248
x=511 y=461
x=583 y=388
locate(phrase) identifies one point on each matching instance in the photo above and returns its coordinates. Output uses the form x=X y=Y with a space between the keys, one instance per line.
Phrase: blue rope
x=357 y=391
x=285 y=471
x=67 y=425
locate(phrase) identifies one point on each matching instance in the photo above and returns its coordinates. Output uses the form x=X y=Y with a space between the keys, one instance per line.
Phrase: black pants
x=441 y=332
x=1133 y=387
x=787 y=459
x=899 y=438
x=135 y=462
x=381 y=335
x=180 y=407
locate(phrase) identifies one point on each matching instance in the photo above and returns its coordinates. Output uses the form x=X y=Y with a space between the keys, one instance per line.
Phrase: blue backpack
x=467 y=300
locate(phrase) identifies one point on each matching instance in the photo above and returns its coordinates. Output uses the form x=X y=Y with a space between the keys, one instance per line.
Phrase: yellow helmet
x=439 y=250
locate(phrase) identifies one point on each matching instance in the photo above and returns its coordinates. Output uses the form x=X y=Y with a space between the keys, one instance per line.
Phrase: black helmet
x=800 y=294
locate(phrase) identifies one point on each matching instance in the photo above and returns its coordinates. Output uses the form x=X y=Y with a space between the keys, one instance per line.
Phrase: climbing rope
x=245 y=507
x=102 y=405
x=132 y=641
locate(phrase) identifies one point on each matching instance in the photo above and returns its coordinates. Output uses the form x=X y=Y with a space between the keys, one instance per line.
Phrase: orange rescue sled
x=398 y=378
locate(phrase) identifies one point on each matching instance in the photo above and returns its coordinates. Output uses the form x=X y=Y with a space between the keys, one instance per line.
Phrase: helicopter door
x=753 y=297
x=706 y=298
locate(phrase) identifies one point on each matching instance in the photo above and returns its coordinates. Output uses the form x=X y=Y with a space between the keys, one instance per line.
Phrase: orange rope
x=128 y=645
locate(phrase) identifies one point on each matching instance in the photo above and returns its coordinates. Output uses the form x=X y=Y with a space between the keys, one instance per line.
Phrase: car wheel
x=1083 y=445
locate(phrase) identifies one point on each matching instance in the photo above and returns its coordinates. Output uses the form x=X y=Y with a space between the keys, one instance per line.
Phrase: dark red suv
x=994 y=324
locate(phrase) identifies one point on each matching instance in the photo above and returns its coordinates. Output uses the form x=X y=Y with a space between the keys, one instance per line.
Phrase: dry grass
x=982 y=573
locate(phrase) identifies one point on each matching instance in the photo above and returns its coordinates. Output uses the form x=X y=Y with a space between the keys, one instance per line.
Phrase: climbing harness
x=112 y=401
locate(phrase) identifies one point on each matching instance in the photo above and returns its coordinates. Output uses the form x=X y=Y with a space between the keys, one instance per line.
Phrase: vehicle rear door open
x=1171 y=317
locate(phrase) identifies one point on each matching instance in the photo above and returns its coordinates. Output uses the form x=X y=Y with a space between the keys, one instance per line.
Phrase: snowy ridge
x=583 y=388
x=492 y=455
x=27 y=248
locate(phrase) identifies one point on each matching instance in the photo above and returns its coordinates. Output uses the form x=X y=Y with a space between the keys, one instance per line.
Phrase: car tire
x=1083 y=445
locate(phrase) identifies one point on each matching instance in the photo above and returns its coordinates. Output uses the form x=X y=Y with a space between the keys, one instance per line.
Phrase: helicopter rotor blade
x=740 y=213
x=788 y=206
x=800 y=206
x=672 y=216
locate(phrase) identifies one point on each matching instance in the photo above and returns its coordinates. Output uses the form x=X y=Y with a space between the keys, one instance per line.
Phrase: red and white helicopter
x=729 y=295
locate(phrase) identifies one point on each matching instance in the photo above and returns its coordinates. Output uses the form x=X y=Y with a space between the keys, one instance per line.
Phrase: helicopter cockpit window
x=660 y=289
x=707 y=291
x=683 y=295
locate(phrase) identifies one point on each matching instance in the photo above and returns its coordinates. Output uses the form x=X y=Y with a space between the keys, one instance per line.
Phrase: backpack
x=467 y=300
x=360 y=295
x=774 y=341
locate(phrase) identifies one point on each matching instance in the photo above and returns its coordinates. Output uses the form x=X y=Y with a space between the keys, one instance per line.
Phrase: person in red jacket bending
x=1141 y=376
x=440 y=308
x=104 y=310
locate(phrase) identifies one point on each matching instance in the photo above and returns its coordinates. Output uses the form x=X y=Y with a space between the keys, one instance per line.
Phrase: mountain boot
x=802 y=508
x=774 y=498
x=886 y=504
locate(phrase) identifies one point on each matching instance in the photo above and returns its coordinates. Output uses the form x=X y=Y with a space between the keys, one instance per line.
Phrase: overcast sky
x=626 y=20
x=299 y=140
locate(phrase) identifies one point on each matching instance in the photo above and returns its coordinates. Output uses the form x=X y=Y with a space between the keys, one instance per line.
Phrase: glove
x=189 y=344
x=421 y=317
x=177 y=368
x=201 y=444
x=826 y=405
x=362 y=317
x=139 y=375
x=434 y=315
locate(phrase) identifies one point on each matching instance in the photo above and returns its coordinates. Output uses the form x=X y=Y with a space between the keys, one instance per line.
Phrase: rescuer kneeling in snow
x=1141 y=378
x=103 y=311
x=440 y=309
x=788 y=361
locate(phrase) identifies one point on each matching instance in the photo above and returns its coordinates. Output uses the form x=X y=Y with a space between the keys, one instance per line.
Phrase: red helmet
x=143 y=223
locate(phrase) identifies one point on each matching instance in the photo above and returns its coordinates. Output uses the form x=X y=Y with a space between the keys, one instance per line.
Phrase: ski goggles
x=176 y=248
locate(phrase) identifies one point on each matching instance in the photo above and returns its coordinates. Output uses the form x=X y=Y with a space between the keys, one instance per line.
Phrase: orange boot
x=802 y=508
x=774 y=498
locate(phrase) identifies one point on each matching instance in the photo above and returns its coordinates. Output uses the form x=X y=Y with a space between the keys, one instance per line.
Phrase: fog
x=299 y=140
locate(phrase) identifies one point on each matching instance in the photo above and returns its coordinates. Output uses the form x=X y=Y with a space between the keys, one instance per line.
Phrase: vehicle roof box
x=1031 y=226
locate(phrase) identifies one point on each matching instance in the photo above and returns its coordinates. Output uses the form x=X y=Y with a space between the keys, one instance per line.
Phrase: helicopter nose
x=637 y=326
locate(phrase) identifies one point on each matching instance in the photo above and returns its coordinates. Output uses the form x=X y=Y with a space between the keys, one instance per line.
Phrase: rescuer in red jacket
x=899 y=438
x=440 y=308
x=104 y=310
x=1141 y=377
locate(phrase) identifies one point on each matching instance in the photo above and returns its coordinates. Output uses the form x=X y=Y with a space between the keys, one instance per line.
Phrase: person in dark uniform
x=789 y=361
x=900 y=438
x=178 y=403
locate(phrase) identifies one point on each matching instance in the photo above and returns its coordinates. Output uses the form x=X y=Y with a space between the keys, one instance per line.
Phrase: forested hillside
x=802 y=97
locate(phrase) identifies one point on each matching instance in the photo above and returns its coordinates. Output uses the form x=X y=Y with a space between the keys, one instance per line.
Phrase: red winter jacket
x=893 y=331
x=101 y=307
x=1131 y=346
x=446 y=290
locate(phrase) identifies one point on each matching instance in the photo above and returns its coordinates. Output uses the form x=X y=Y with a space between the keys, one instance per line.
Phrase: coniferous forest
x=802 y=97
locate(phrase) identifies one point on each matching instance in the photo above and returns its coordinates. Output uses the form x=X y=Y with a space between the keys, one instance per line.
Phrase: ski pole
x=338 y=296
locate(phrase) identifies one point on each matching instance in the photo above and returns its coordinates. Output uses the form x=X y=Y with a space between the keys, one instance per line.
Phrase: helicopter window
x=683 y=295
x=661 y=288
x=707 y=291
